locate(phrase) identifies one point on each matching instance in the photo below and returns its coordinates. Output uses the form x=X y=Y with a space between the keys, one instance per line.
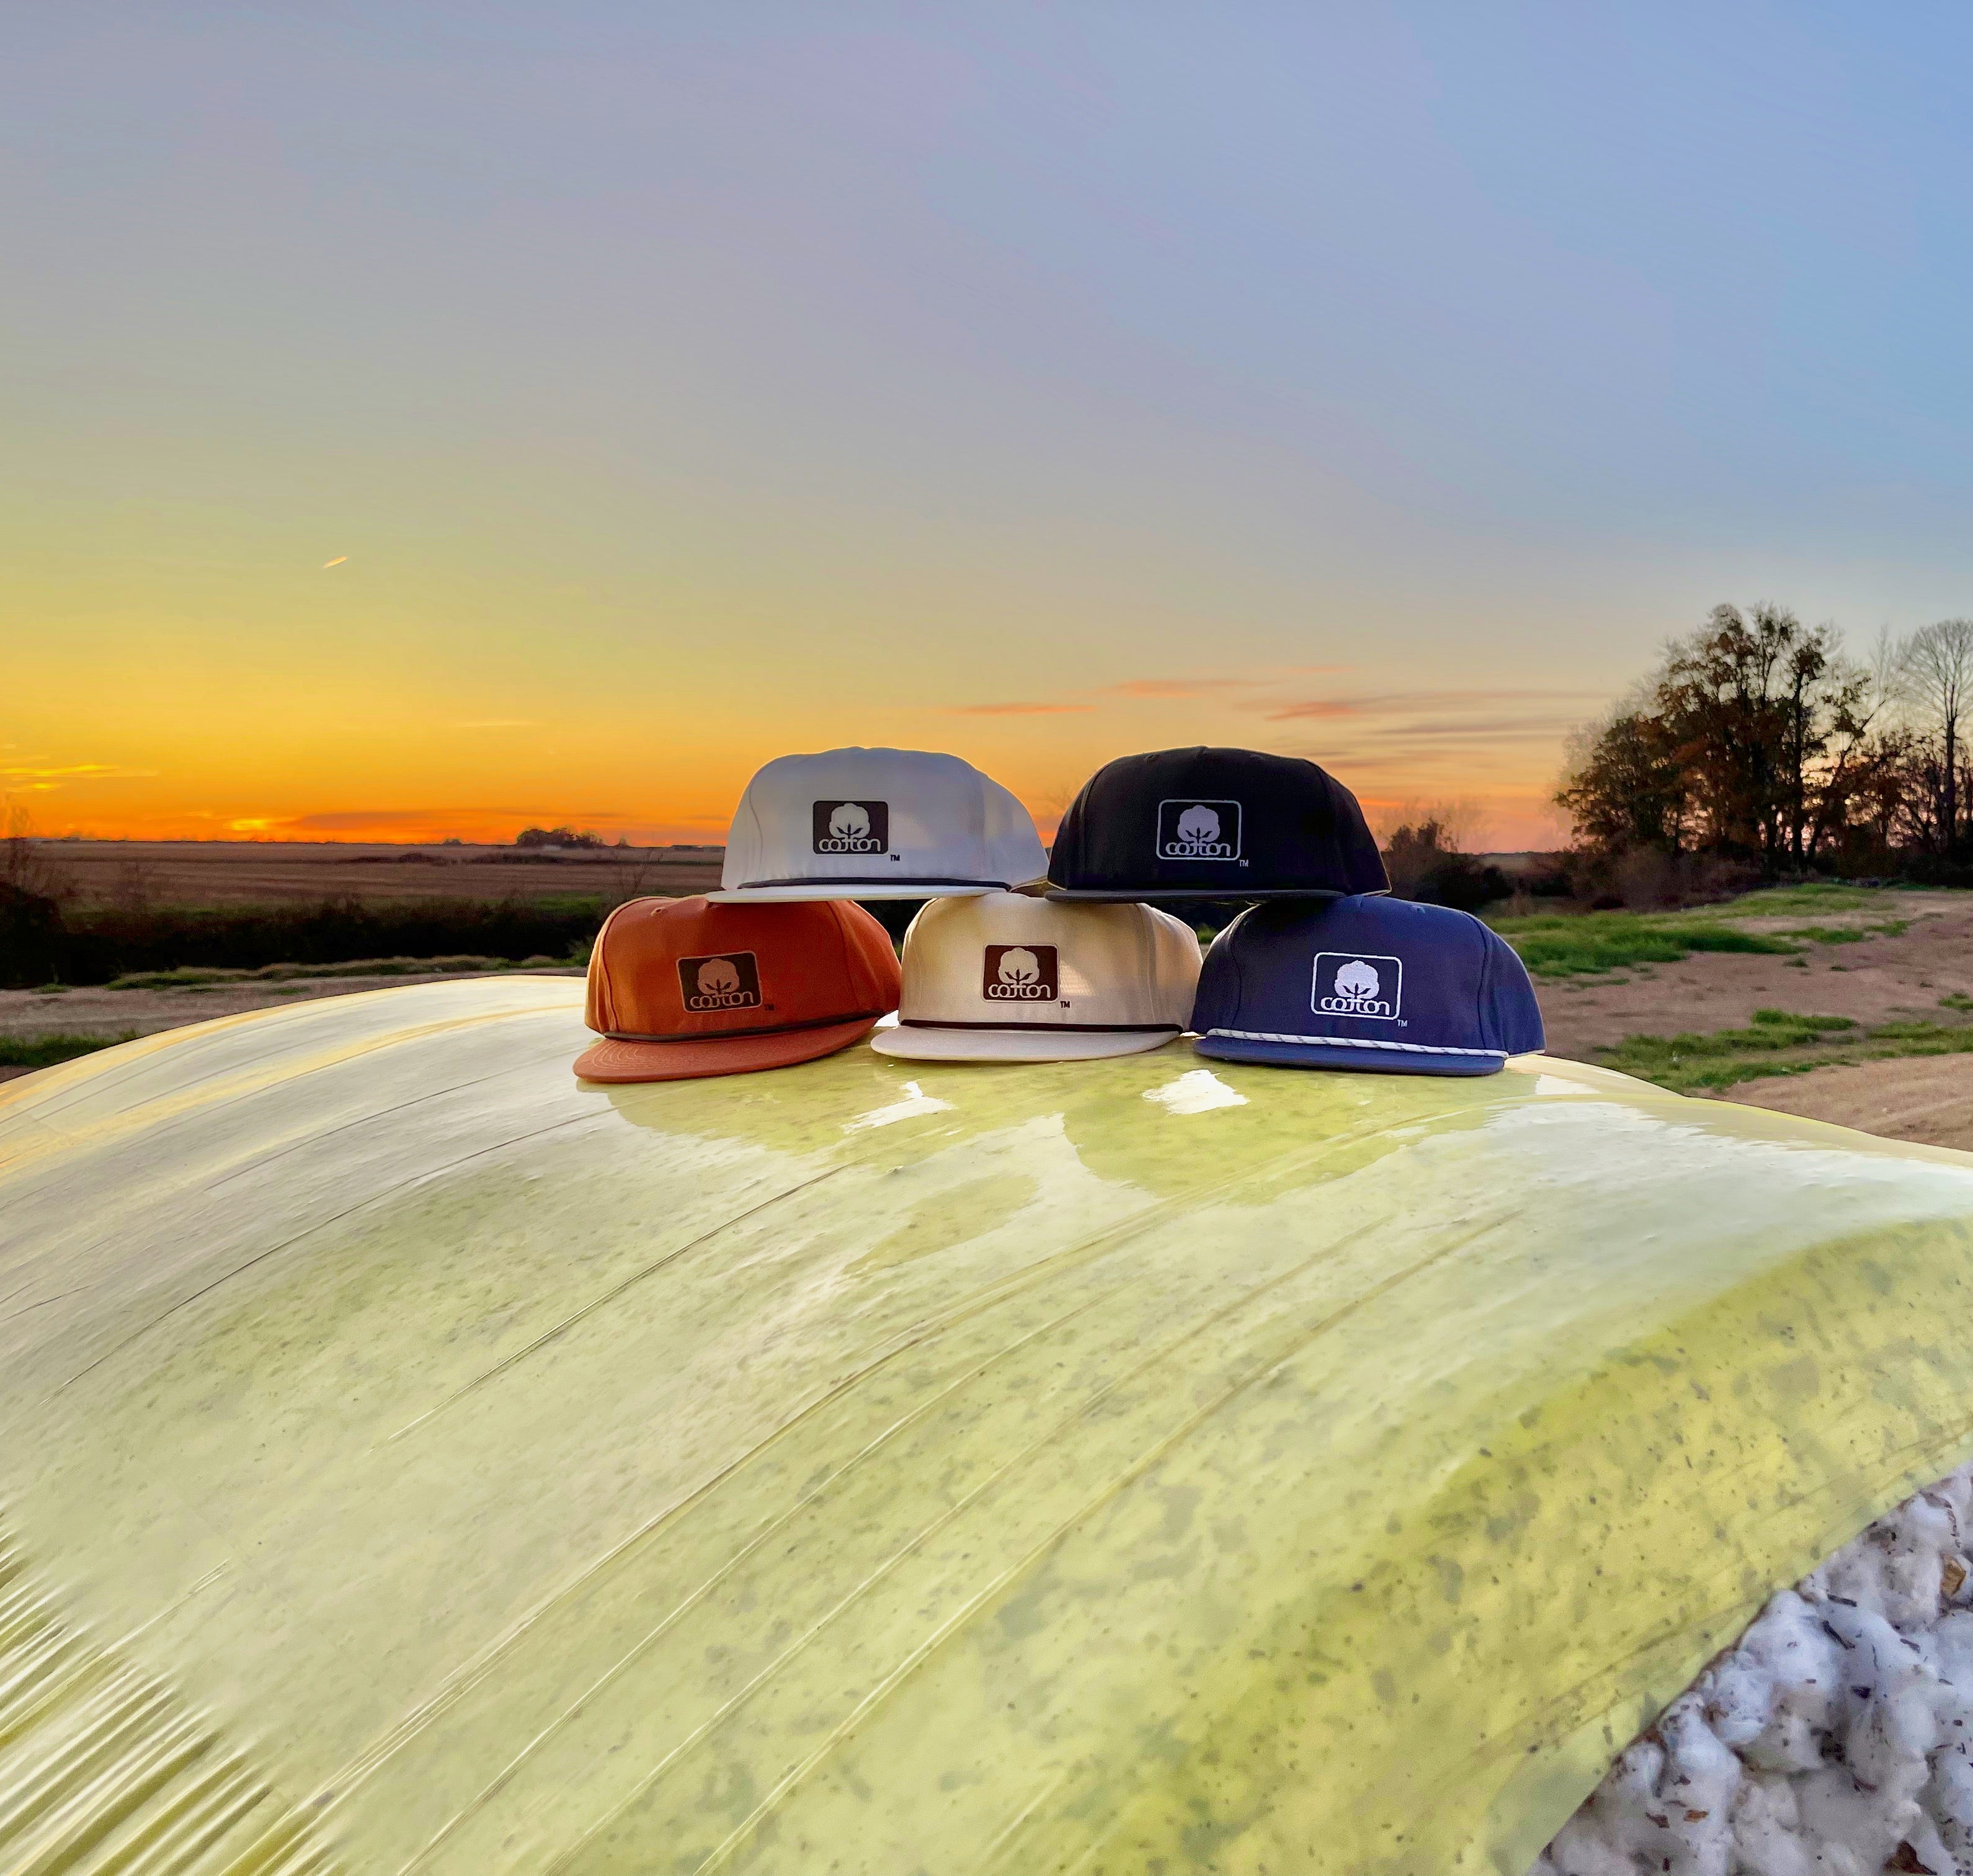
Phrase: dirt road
x=1928 y=1098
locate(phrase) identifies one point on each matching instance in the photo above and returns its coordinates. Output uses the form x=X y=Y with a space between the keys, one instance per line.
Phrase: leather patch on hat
x=730 y=981
x=852 y=827
x=1021 y=973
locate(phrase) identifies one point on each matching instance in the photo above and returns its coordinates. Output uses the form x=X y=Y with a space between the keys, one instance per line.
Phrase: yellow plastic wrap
x=412 y=1460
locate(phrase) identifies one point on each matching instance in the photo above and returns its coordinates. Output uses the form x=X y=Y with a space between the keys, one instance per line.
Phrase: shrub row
x=42 y=942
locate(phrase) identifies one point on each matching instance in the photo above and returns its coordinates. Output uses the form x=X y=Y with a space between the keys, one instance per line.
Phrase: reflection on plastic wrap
x=1080 y=1466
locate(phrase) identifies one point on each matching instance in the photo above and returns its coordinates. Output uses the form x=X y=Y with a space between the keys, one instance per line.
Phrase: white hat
x=1006 y=978
x=876 y=823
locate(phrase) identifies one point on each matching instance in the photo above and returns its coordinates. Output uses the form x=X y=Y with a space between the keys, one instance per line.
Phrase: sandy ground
x=1928 y=1098
x=1878 y=980
x=264 y=872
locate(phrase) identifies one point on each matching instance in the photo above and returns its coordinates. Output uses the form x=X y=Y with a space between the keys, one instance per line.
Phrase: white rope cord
x=1351 y=1041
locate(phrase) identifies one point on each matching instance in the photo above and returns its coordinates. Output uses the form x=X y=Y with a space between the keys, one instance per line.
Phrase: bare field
x=1876 y=978
x=268 y=873
x=1927 y=1099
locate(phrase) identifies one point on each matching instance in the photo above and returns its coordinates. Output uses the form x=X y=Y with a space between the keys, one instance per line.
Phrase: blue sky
x=684 y=384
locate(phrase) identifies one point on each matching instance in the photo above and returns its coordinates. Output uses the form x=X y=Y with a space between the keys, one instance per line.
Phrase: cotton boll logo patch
x=1348 y=984
x=1199 y=830
x=852 y=827
x=731 y=982
x=1020 y=973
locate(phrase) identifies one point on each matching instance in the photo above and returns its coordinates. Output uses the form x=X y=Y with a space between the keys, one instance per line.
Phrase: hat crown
x=677 y=969
x=877 y=823
x=1209 y=822
x=1365 y=983
x=1022 y=970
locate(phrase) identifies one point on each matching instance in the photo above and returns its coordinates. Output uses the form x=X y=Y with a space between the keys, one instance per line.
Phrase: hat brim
x=810 y=891
x=1037 y=1044
x=1369 y=1060
x=1151 y=894
x=610 y=1061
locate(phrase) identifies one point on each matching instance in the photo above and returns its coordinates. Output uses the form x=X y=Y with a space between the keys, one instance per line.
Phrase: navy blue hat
x=1376 y=983
x=1213 y=823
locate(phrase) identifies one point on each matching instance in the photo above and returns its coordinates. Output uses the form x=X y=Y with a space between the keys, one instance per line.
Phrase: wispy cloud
x=1448 y=703
x=336 y=563
x=1174 y=686
x=342 y=821
x=1320 y=706
x=1018 y=709
x=1159 y=688
x=35 y=775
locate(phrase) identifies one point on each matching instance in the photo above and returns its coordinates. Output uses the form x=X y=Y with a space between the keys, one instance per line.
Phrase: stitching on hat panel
x=728 y=1036
x=848 y=959
x=879 y=879
x=1353 y=1042
x=1044 y=1029
x=606 y=999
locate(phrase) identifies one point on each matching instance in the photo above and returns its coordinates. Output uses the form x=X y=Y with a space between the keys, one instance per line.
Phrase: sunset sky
x=424 y=419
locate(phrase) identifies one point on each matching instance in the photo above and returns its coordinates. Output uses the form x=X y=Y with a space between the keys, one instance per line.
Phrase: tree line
x=1761 y=740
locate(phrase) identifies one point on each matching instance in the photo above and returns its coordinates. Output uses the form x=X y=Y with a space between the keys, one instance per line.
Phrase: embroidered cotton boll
x=1835 y=1739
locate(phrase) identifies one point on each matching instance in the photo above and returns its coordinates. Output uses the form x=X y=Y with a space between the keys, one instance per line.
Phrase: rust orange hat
x=684 y=987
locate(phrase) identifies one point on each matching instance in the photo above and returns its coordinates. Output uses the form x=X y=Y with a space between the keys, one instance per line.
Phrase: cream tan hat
x=1007 y=978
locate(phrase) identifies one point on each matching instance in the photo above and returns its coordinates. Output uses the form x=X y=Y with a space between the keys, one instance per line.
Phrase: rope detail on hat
x=1352 y=1042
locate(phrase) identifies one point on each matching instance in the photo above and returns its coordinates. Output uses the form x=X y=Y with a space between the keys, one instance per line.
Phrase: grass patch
x=1588 y=943
x=204 y=977
x=42 y=942
x=43 y=1052
x=1566 y=944
x=1777 y=1042
x=1848 y=933
x=1787 y=902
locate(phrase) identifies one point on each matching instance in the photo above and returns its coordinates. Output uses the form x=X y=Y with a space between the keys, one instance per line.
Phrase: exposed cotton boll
x=1671 y=1811
x=1953 y=1650
x=1801 y=1655
x=1895 y=1566
x=1925 y=1845
x=1835 y=1739
x=1949 y=1806
x=1767 y=1829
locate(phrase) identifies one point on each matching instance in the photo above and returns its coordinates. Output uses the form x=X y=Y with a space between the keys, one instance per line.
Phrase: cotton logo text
x=1348 y=984
x=731 y=982
x=1020 y=973
x=1199 y=830
x=852 y=827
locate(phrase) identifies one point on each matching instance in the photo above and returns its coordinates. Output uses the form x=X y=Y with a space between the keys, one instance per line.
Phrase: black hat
x=1213 y=823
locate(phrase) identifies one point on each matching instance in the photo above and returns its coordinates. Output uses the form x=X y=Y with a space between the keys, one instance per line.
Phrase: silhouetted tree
x=1936 y=669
